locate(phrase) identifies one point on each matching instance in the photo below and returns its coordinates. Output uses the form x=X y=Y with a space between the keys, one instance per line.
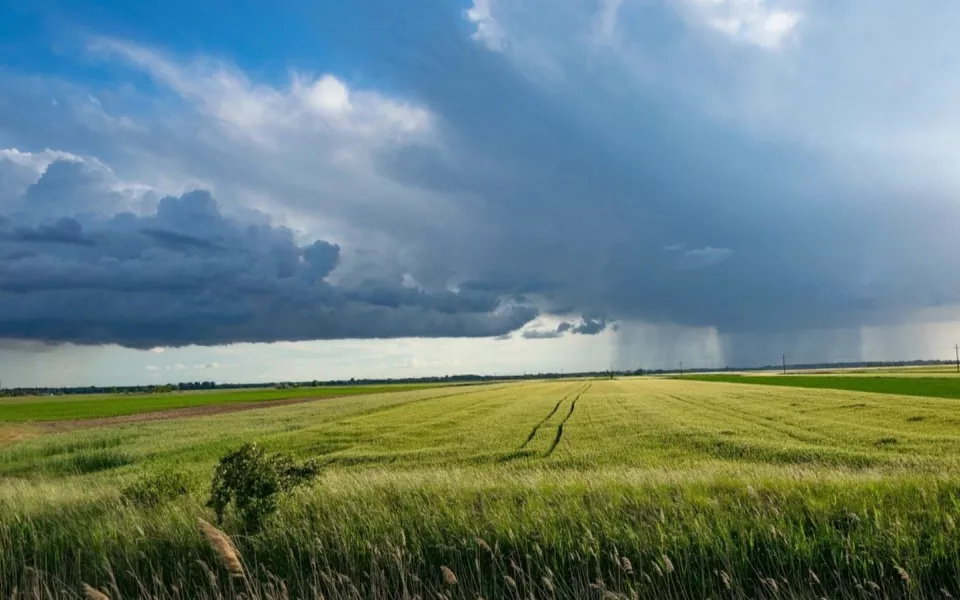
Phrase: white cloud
x=489 y=31
x=44 y=184
x=698 y=258
x=752 y=22
x=605 y=21
x=261 y=113
x=37 y=162
x=310 y=153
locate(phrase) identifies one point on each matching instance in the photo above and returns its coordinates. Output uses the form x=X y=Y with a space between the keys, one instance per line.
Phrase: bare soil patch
x=16 y=433
x=173 y=413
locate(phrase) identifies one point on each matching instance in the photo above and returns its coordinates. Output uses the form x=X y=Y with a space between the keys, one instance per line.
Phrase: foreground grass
x=932 y=387
x=570 y=534
x=62 y=408
x=628 y=488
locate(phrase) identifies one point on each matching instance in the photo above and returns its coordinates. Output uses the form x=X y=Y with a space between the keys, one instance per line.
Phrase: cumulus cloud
x=488 y=30
x=755 y=22
x=187 y=274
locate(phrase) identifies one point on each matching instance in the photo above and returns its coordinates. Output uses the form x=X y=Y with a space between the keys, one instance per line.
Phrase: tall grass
x=464 y=534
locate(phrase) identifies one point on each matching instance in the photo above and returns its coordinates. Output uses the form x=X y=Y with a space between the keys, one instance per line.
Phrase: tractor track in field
x=573 y=406
x=533 y=432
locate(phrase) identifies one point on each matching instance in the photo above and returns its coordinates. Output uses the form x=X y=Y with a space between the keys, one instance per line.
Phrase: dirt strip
x=175 y=413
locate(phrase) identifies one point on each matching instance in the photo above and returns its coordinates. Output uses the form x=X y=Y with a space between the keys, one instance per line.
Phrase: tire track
x=573 y=406
x=533 y=432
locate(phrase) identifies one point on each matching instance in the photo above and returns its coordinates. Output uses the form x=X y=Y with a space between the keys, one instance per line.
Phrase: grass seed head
x=667 y=564
x=903 y=574
x=726 y=579
x=223 y=546
x=91 y=593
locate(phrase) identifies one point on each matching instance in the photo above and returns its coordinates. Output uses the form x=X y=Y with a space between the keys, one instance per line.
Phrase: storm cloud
x=187 y=274
x=752 y=169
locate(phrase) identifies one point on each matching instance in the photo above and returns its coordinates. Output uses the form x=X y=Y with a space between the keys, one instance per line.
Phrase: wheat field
x=630 y=487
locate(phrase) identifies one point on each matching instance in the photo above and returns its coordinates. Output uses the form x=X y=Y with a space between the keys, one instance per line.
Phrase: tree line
x=467 y=378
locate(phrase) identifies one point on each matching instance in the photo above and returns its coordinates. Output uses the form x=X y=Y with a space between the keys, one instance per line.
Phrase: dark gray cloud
x=589 y=326
x=187 y=274
x=636 y=203
x=62 y=231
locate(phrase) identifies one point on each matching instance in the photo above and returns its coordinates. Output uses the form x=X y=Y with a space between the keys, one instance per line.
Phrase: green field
x=636 y=487
x=60 y=408
x=930 y=386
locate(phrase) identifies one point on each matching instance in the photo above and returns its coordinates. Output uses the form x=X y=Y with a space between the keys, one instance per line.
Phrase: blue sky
x=304 y=190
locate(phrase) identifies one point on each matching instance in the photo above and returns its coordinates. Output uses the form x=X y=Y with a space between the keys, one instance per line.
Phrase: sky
x=322 y=190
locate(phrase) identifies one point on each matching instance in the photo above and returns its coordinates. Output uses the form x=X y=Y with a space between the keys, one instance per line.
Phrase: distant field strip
x=930 y=387
x=60 y=408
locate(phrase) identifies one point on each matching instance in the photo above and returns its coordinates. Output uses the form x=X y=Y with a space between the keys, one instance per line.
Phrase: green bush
x=153 y=490
x=254 y=482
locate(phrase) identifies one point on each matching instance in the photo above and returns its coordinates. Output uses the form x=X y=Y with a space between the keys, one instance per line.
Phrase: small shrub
x=254 y=482
x=158 y=488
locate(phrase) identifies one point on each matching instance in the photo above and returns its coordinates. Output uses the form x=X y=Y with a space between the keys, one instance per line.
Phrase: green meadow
x=623 y=488
x=934 y=384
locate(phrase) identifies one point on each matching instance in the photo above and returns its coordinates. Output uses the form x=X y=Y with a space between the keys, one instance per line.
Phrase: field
x=888 y=383
x=61 y=408
x=634 y=487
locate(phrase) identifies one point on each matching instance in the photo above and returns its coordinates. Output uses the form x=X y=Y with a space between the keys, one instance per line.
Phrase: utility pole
x=957 y=348
x=681 y=368
x=784 y=364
